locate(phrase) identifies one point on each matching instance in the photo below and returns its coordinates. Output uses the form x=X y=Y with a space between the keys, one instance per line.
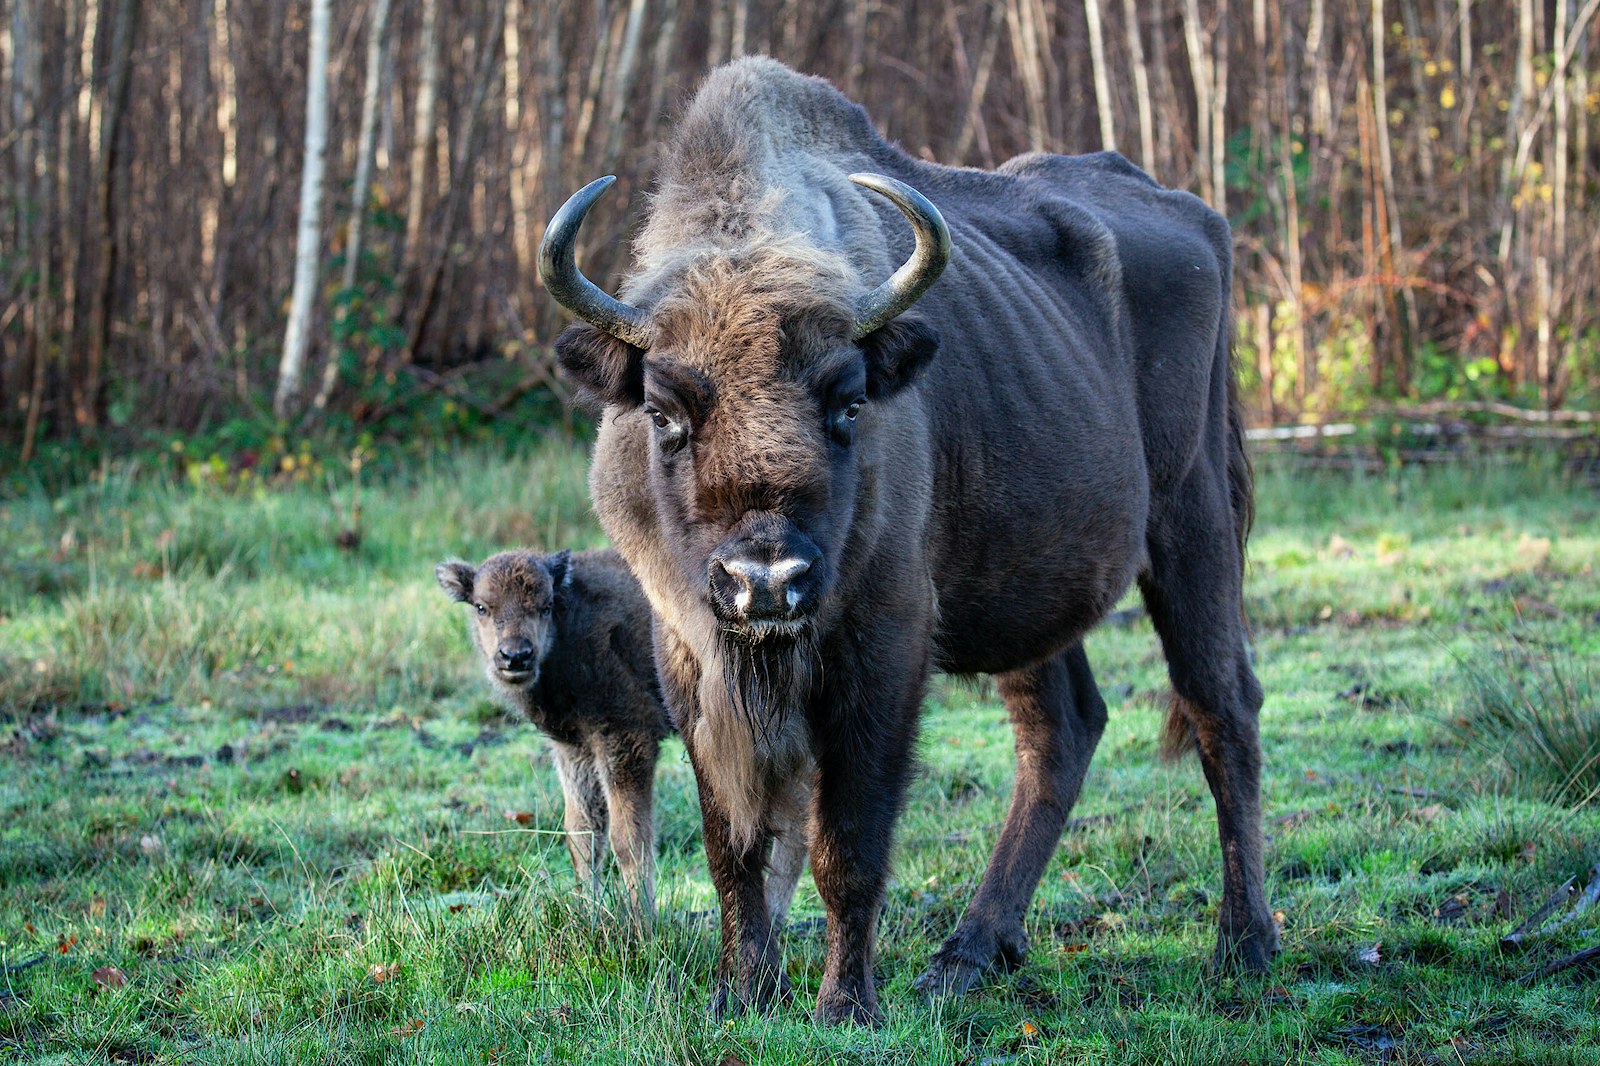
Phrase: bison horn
x=563 y=280
x=906 y=285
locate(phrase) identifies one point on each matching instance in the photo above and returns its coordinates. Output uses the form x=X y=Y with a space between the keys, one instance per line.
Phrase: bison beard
x=971 y=488
x=752 y=735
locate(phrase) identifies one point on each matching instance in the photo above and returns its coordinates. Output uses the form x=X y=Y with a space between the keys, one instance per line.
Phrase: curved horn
x=906 y=285
x=566 y=282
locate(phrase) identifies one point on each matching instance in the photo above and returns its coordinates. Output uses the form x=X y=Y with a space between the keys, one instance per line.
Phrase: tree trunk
x=91 y=400
x=360 y=193
x=1104 y=104
x=1141 y=87
x=423 y=135
x=308 y=245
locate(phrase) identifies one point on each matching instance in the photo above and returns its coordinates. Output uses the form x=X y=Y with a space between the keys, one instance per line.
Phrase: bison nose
x=514 y=655
x=758 y=591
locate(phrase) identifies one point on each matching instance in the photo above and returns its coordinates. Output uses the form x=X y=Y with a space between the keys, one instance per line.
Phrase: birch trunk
x=308 y=244
x=1141 y=87
x=1104 y=104
x=424 y=134
x=360 y=192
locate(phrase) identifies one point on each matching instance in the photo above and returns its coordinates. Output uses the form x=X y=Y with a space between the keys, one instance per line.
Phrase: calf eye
x=545 y=609
x=481 y=609
x=853 y=410
x=661 y=421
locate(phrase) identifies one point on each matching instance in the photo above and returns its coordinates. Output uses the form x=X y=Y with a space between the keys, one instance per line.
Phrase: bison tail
x=1241 y=476
x=1177 y=732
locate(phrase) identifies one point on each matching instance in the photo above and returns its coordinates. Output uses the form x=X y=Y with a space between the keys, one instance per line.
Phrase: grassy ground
x=257 y=775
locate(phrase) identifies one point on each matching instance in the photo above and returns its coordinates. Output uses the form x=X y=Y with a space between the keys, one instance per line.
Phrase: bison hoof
x=963 y=960
x=1246 y=947
x=759 y=993
x=840 y=1008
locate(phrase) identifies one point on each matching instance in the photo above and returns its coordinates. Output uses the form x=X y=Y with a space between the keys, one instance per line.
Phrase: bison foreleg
x=629 y=766
x=585 y=818
x=1057 y=715
x=863 y=762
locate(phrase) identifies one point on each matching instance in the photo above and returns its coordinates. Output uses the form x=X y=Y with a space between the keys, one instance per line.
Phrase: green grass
x=245 y=766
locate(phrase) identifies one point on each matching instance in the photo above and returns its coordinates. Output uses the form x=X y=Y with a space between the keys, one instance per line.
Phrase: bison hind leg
x=1057 y=716
x=1193 y=591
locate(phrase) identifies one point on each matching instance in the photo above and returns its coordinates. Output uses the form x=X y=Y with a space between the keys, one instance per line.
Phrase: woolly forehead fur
x=756 y=175
x=512 y=578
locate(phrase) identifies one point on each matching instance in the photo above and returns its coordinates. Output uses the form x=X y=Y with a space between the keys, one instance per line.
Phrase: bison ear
x=456 y=579
x=896 y=354
x=560 y=566
x=605 y=369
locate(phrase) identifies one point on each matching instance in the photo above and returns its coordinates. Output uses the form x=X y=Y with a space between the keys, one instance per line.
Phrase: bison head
x=513 y=597
x=758 y=371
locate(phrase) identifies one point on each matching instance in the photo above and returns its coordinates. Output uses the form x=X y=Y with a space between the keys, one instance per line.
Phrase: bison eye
x=482 y=609
x=545 y=609
x=670 y=433
x=853 y=410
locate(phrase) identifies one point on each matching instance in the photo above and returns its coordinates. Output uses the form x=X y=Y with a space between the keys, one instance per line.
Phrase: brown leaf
x=97 y=907
x=64 y=944
x=109 y=977
x=1372 y=955
x=1426 y=814
x=520 y=817
x=730 y=1059
x=383 y=971
x=411 y=1028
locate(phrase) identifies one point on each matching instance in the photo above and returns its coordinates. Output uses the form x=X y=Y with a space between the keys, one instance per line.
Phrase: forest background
x=1412 y=185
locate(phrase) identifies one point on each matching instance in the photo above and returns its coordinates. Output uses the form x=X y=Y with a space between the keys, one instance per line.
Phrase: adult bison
x=822 y=510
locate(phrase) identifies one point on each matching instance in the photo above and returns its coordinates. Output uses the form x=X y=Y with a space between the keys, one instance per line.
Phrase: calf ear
x=896 y=354
x=605 y=369
x=560 y=566
x=456 y=579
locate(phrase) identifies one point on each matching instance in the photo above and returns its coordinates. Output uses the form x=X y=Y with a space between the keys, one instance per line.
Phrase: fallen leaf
x=97 y=907
x=150 y=844
x=382 y=971
x=1426 y=814
x=1532 y=552
x=411 y=1028
x=520 y=817
x=64 y=944
x=730 y=1059
x=1029 y=1029
x=1372 y=955
x=109 y=977
x=1278 y=918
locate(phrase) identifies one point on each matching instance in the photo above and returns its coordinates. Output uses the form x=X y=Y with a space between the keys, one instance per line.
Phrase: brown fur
x=980 y=512
x=594 y=693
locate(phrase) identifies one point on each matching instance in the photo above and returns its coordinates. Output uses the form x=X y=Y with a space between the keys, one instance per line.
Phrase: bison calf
x=565 y=641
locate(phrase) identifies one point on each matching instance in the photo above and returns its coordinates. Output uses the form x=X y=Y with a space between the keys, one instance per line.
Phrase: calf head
x=513 y=596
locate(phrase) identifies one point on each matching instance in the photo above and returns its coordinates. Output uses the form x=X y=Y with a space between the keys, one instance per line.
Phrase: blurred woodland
x=1412 y=183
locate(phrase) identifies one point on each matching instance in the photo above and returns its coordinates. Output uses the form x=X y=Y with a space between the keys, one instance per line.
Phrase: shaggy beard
x=768 y=684
x=752 y=741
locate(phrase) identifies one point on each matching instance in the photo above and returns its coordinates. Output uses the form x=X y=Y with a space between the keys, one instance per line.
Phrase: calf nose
x=760 y=592
x=514 y=655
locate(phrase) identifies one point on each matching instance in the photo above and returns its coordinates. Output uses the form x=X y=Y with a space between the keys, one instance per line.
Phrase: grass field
x=255 y=801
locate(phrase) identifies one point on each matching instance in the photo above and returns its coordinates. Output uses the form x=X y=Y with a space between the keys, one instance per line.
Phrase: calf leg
x=1193 y=591
x=628 y=768
x=585 y=818
x=788 y=859
x=1057 y=716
